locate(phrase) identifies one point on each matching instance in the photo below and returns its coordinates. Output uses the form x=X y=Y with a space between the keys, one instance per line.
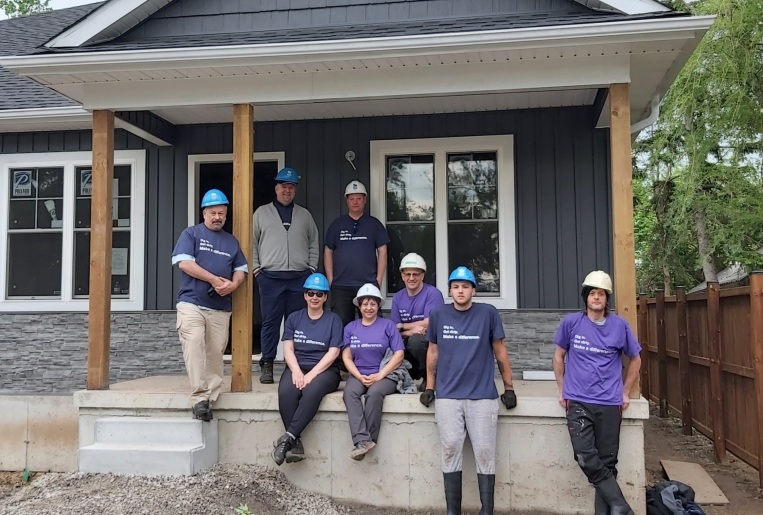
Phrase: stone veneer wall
x=47 y=352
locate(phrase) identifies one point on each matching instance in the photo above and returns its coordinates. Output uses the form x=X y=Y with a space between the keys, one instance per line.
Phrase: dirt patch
x=738 y=481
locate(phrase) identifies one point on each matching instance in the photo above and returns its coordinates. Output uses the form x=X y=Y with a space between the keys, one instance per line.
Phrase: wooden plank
x=643 y=331
x=716 y=371
x=662 y=355
x=756 y=339
x=243 y=202
x=692 y=474
x=622 y=208
x=99 y=306
x=684 y=366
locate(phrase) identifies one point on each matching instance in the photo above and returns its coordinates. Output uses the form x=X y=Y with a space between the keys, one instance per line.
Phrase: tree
x=15 y=8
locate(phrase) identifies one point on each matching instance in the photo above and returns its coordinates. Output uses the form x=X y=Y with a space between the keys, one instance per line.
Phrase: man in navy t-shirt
x=355 y=253
x=212 y=267
x=465 y=339
x=591 y=388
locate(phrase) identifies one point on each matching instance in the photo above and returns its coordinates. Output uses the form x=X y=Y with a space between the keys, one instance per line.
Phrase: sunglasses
x=318 y=294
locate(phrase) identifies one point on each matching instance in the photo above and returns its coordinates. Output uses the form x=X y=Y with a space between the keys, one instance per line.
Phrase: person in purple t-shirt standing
x=212 y=267
x=591 y=387
x=366 y=342
x=410 y=312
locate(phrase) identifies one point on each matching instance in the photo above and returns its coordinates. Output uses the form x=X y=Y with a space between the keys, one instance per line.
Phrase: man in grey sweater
x=284 y=253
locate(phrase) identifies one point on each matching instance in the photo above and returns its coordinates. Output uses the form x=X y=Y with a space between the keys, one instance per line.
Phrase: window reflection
x=472 y=186
x=410 y=188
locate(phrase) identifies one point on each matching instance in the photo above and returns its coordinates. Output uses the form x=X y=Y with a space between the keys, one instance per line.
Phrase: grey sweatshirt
x=276 y=249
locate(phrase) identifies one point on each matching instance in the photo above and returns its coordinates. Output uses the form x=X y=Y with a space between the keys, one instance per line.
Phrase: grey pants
x=365 y=421
x=479 y=418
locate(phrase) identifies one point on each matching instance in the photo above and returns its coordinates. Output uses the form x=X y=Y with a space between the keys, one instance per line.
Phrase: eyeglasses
x=355 y=227
x=412 y=275
x=318 y=294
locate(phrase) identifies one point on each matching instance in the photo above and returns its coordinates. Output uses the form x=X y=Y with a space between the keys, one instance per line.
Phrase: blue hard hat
x=214 y=198
x=287 y=175
x=462 y=274
x=317 y=282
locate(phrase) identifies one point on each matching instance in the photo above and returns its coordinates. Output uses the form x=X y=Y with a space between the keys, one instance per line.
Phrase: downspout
x=654 y=115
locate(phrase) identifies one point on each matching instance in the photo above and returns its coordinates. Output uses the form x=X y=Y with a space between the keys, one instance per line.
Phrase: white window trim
x=136 y=159
x=503 y=145
x=194 y=165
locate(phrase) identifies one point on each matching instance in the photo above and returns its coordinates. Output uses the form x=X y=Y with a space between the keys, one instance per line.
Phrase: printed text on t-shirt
x=207 y=246
x=301 y=337
x=580 y=342
x=450 y=333
x=345 y=235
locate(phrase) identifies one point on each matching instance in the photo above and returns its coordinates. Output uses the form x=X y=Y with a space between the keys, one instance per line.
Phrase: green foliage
x=14 y=8
x=707 y=147
x=243 y=510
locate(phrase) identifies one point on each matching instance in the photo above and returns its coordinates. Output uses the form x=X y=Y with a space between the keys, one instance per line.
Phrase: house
x=494 y=134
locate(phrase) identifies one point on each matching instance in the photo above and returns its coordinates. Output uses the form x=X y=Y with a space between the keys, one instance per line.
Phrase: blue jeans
x=279 y=298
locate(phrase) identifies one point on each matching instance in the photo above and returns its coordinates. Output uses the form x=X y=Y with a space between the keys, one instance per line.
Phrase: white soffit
x=107 y=22
x=625 y=6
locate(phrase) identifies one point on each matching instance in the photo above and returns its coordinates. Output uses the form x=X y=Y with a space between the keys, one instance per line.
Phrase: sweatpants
x=416 y=353
x=365 y=421
x=279 y=298
x=298 y=407
x=204 y=335
x=341 y=303
x=458 y=417
x=595 y=436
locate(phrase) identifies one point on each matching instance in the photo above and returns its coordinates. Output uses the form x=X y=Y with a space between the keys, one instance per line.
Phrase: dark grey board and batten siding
x=561 y=171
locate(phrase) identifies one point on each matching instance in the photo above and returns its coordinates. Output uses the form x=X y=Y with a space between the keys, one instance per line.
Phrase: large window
x=452 y=201
x=45 y=240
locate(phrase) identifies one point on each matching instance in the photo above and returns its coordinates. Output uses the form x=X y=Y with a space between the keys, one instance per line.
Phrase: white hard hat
x=355 y=187
x=599 y=279
x=367 y=290
x=413 y=260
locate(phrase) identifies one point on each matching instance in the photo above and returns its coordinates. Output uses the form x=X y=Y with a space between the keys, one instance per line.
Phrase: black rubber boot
x=452 y=482
x=600 y=506
x=486 y=483
x=613 y=496
x=266 y=373
x=283 y=445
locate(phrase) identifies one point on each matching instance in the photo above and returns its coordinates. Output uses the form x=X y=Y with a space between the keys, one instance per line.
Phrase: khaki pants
x=204 y=336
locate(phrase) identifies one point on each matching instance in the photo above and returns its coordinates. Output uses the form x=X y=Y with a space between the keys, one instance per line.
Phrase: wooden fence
x=703 y=359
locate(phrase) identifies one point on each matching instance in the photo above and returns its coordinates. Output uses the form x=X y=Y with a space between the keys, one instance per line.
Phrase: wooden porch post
x=99 y=306
x=243 y=195
x=622 y=208
x=756 y=335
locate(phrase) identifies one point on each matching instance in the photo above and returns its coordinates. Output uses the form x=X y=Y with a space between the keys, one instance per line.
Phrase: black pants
x=595 y=435
x=416 y=353
x=341 y=303
x=298 y=407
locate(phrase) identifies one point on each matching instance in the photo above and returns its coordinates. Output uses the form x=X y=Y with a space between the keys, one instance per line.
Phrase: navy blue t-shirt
x=465 y=359
x=217 y=252
x=313 y=338
x=354 y=243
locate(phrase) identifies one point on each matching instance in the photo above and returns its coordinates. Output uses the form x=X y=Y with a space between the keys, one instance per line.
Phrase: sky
x=60 y=4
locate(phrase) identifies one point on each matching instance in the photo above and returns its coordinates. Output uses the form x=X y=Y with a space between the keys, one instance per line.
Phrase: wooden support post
x=662 y=355
x=622 y=208
x=684 y=366
x=756 y=335
x=243 y=202
x=716 y=370
x=643 y=334
x=99 y=305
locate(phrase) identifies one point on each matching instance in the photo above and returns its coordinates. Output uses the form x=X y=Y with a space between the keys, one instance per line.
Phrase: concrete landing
x=150 y=446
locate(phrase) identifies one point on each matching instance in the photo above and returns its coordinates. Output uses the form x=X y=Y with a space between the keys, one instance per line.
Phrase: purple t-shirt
x=594 y=367
x=312 y=338
x=412 y=309
x=368 y=344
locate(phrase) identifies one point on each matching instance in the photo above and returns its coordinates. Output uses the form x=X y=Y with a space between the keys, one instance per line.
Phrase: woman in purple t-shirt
x=366 y=342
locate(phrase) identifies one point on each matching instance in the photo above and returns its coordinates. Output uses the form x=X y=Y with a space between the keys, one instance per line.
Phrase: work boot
x=282 y=446
x=486 y=484
x=600 y=506
x=613 y=496
x=202 y=411
x=361 y=449
x=296 y=453
x=266 y=372
x=452 y=483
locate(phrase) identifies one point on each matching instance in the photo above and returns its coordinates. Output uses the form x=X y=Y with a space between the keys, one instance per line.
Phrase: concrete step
x=150 y=446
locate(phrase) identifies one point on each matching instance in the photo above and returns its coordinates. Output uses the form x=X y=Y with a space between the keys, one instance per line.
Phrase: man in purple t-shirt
x=410 y=313
x=591 y=387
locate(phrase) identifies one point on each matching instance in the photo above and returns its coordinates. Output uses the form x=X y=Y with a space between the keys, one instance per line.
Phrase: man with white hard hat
x=355 y=252
x=588 y=369
x=410 y=312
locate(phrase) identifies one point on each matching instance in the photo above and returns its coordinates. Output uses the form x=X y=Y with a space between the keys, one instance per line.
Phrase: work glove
x=509 y=399
x=427 y=397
